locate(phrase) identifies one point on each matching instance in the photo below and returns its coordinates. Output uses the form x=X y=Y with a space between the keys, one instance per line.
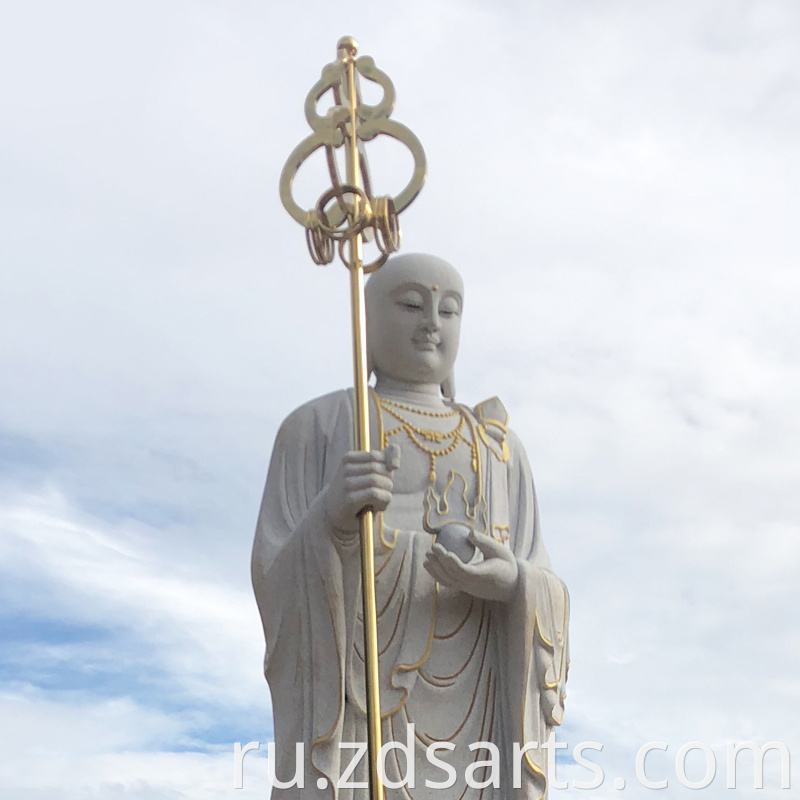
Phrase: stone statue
x=472 y=622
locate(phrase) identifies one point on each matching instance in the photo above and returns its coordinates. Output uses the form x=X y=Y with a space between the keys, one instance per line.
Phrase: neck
x=420 y=394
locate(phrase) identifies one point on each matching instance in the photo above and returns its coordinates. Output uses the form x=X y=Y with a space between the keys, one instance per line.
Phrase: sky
x=617 y=181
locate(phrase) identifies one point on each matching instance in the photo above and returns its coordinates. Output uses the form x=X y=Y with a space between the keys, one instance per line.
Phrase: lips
x=427 y=343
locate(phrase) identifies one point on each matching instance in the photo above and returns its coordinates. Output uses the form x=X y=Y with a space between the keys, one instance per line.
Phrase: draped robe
x=460 y=669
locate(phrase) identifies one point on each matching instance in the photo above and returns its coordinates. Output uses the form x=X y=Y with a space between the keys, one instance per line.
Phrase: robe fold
x=460 y=669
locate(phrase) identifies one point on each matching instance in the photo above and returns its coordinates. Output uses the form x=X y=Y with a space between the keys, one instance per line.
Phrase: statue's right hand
x=363 y=480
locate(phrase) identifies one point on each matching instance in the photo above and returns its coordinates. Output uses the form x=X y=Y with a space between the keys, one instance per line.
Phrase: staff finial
x=347 y=209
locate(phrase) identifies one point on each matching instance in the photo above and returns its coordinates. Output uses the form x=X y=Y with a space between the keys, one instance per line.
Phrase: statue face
x=414 y=307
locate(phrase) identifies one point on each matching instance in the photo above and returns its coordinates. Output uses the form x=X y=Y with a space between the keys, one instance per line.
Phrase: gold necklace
x=414 y=432
x=383 y=402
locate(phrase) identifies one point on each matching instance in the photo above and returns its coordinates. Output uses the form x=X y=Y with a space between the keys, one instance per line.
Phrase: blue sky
x=618 y=184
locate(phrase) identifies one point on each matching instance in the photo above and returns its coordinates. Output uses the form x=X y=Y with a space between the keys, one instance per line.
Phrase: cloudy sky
x=617 y=182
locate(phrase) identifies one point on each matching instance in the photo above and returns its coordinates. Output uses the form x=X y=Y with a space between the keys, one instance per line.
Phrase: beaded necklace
x=419 y=436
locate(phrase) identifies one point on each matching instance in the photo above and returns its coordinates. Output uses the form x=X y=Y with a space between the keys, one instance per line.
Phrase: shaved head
x=414 y=305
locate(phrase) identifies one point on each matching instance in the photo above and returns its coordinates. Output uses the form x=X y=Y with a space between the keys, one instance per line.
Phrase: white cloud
x=203 y=633
x=91 y=750
x=617 y=183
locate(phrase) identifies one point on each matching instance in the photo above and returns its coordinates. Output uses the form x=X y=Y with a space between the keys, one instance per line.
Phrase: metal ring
x=373 y=266
x=355 y=227
x=320 y=245
x=387 y=225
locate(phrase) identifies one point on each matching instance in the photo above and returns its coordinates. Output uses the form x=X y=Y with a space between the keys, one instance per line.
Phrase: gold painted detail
x=420 y=436
x=501 y=533
x=383 y=402
x=417 y=664
x=493 y=426
x=454 y=507
x=386 y=543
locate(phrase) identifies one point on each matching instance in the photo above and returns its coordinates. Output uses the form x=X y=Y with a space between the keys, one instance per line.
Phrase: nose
x=433 y=321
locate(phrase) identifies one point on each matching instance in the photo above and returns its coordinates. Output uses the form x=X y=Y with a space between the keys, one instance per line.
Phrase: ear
x=370 y=359
x=449 y=386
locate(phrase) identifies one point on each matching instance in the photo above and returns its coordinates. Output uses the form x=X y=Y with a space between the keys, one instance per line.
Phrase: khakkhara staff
x=346 y=214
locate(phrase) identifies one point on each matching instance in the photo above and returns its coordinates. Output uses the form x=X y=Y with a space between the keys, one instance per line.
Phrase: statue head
x=414 y=304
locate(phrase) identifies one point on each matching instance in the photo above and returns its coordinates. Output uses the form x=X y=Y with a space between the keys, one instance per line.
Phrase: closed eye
x=449 y=310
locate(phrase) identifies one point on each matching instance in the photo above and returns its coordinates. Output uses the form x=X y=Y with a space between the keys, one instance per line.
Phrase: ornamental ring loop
x=386 y=225
x=320 y=244
x=354 y=226
x=373 y=266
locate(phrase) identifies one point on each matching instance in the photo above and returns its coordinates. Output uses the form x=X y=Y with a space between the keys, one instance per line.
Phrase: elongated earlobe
x=449 y=386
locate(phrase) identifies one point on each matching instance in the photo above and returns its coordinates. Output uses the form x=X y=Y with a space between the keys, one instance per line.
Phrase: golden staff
x=345 y=215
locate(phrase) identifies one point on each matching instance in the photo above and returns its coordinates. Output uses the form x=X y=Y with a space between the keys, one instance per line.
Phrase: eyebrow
x=404 y=287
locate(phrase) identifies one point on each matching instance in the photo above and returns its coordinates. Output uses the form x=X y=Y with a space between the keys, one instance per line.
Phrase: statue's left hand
x=494 y=578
